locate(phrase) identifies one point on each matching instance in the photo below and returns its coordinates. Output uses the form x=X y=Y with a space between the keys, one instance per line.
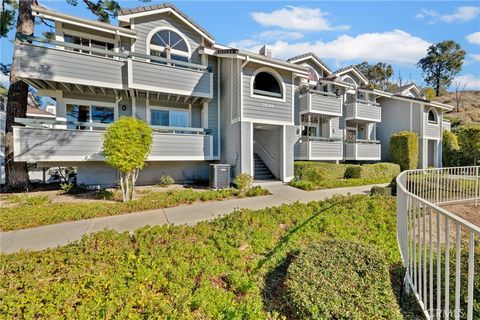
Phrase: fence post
x=438 y=185
x=476 y=186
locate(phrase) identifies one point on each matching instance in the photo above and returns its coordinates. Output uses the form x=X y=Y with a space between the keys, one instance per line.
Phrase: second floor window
x=170 y=45
x=102 y=45
x=169 y=118
x=78 y=116
x=266 y=84
x=432 y=117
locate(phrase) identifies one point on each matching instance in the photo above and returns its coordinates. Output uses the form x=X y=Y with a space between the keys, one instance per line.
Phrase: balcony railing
x=319 y=148
x=366 y=150
x=437 y=246
x=50 y=63
x=46 y=140
x=363 y=110
x=326 y=103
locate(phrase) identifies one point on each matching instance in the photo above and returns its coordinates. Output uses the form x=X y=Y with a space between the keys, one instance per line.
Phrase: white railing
x=437 y=246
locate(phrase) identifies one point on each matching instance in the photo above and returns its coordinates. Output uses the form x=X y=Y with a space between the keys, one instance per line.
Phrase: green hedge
x=319 y=175
x=469 y=141
x=404 y=149
x=340 y=279
x=384 y=191
x=450 y=150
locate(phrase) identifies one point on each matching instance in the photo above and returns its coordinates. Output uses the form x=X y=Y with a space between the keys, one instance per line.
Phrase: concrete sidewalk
x=51 y=236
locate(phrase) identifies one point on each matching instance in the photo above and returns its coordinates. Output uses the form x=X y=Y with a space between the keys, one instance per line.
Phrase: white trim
x=349 y=77
x=165 y=108
x=293 y=98
x=171 y=91
x=277 y=76
x=134 y=107
x=252 y=163
x=159 y=48
x=16 y=141
x=83 y=82
x=436 y=123
x=284 y=154
x=127 y=17
x=359 y=75
x=310 y=57
x=89 y=102
x=74 y=33
x=204 y=114
x=266 y=121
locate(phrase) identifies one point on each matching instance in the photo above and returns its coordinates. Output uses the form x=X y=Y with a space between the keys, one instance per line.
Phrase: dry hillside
x=469 y=108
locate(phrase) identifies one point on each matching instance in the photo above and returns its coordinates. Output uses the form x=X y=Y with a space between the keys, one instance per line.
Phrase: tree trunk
x=16 y=173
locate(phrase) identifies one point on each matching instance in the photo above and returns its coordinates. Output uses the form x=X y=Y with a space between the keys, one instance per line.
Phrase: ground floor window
x=79 y=115
x=169 y=118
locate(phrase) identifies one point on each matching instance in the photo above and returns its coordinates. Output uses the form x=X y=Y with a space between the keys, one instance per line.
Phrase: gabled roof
x=353 y=69
x=126 y=14
x=312 y=56
x=405 y=88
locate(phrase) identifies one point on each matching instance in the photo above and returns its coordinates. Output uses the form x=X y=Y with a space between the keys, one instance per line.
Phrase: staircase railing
x=437 y=246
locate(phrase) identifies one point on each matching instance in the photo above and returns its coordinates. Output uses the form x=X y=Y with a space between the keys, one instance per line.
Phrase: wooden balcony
x=320 y=102
x=310 y=148
x=366 y=150
x=365 y=111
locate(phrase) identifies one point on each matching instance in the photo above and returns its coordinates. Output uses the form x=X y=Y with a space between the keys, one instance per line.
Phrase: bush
x=105 y=194
x=340 y=279
x=353 y=172
x=450 y=149
x=72 y=188
x=378 y=190
x=469 y=142
x=166 y=181
x=404 y=149
x=27 y=200
x=243 y=183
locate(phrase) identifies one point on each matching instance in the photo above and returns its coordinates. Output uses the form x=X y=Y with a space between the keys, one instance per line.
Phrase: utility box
x=219 y=176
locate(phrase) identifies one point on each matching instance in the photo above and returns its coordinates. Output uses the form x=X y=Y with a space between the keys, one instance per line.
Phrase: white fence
x=438 y=247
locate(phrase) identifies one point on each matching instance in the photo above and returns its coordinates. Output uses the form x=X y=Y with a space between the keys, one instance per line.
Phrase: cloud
x=272 y=35
x=297 y=18
x=472 y=81
x=475 y=56
x=461 y=14
x=474 y=38
x=393 y=46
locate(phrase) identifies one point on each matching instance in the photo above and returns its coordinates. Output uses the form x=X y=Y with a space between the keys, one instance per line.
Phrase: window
x=432 y=116
x=169 y=118
x=88 y=114
x=102 y=45
x=266 y=84
x=170 y=45
x=349 y=79
x=309 y=131
x=312 y=75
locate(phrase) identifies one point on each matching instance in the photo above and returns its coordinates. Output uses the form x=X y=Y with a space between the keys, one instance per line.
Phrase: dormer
x=351 y=75
x=409 y=90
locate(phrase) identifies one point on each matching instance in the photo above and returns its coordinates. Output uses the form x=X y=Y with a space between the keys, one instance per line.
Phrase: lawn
x=230 y=268
x=310 y=175
x=31 y=211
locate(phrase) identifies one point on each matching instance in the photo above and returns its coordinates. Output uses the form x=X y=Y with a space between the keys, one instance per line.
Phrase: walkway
x=51 y=236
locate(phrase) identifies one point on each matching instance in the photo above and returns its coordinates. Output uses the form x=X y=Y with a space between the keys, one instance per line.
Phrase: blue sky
x=339 y=32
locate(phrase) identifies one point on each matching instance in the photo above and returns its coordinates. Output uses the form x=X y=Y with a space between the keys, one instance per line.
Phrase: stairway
x=261 y=171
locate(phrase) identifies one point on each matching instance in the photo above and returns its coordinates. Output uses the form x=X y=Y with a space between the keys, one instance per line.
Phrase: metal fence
x=438 y=247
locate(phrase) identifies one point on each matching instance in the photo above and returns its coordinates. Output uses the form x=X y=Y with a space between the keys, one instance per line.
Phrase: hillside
x=469 y=109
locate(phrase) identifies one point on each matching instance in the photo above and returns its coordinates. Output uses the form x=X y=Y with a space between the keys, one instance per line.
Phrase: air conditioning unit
x=219 y=176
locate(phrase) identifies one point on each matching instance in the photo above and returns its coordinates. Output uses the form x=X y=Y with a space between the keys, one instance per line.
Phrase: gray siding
x=325 y=104
x=301 y=151
x=235 y=83
x=325 y=150
x=265 y=109
x=338 y=125
x=196 y=116
x=35 y=144
x=67 y=66
x=368 y=151
x=143 y=26
x=363 y=111
x=213 y=106
x=162 y=78
x=431 y=130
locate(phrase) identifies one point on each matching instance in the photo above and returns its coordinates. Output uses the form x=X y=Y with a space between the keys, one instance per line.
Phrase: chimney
x=266 y=51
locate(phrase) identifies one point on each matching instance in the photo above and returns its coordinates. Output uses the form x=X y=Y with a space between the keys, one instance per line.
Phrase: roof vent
x=266 y=51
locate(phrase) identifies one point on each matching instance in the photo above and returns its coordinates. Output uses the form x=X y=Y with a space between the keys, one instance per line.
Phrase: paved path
x=54 y=235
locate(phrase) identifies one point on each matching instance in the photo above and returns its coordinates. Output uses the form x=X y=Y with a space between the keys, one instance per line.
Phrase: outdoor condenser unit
x=219 y=176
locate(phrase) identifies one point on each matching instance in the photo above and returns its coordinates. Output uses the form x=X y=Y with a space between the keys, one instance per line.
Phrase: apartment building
x=207 y=103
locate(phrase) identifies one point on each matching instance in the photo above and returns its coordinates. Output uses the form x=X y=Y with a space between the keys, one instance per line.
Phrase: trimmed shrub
x=379 y=170
x=378 y=190
x=244 y=183
x=166 y=181
x=340 y=279
x=353 y=172
x=404 y=149
x=450 y=149
x=469 y=142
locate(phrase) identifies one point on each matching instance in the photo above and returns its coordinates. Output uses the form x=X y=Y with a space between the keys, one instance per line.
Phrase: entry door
x=351 y=135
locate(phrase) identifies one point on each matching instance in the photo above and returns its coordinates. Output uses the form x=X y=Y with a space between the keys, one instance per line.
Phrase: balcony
x=366 y=150
x=38 y=143
x=317 y=148
x=56 y=65
x=320 y=102
x=361 y=110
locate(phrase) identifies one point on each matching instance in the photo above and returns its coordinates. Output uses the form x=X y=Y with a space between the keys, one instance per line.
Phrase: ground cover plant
x=318 y=175
x=231 y=268
x=32 y=211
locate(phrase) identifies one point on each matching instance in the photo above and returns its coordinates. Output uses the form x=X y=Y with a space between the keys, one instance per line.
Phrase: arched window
x=432 y=116
x=266 y=84
x=312 y=74
x=169 y=44
x=349 y=79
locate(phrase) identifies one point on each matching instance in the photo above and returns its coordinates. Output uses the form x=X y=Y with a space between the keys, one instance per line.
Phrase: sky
x=341 y=33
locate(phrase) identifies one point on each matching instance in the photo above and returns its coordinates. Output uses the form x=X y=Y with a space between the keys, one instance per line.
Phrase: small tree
x=429 y=93
x=459 y=91
x=404 y=149
x=126 y=146
x=469 y=142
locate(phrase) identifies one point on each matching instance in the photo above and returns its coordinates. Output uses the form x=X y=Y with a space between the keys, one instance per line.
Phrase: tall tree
x=443 y=62
x=16 y=173
x=378 y=74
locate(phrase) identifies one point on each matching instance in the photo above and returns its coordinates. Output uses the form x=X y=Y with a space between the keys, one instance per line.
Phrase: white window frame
x=90 y=104
x=150 y=47
x=277 y=76
x=150 y=108
x=349 y=77
x=437 y=118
